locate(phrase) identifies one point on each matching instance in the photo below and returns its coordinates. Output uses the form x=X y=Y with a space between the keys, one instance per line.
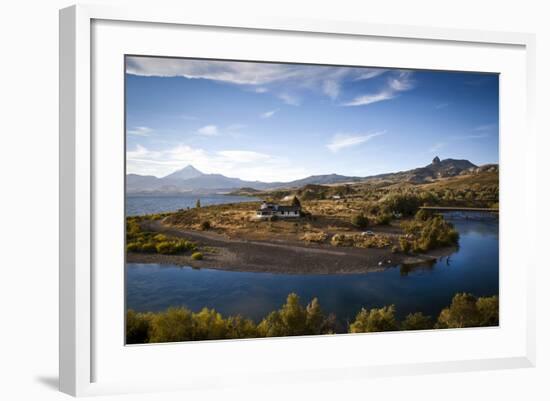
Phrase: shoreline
x=280 y=257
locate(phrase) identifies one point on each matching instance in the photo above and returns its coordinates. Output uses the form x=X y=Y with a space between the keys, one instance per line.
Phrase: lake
x=149 y=204
x=428 y=289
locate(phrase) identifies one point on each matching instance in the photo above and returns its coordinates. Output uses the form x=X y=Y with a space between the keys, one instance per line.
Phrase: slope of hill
x=189 y=179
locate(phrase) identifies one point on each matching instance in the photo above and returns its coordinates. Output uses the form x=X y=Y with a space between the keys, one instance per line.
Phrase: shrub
x=205 y=225
x=175 y=324
x=137 y=327
x=133 y=247
x=160 y=237
x=360 y=221
x=374 y=320
x=165 y=248
x=314 y=237
x=149 y=247
x=468 y=311
x=197 y=256
x=417 y=321
x=383 y=219
x=428 y=234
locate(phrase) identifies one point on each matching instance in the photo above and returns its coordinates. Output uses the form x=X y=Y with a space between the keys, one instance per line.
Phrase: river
x=472 y=268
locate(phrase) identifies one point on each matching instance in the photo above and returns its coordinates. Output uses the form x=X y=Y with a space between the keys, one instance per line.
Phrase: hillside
x=190 y=179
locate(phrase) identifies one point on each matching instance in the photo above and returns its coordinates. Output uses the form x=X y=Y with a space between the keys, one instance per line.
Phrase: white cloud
x=243 y=156
x=208 y=130
x=331 y=88
x=371 y=98
x=370 y=73
x=292 y=100
x=244 y=164
x=257 y=77
x=342 y=141
x=140 y=131
x=401 y=81
x=268 y=114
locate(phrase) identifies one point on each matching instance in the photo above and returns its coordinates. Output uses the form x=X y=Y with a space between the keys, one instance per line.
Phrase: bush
x=424 y=235
x=417 y=321
x=468 y=311
x=360 y=221
x=165 y=248
x=149 y=247
x=133 y=247
x=197 y=256
x=314 y=237
x=175 y=324
x=383 y=219
x=205 y=225
x=137 y=327
x=374 y=320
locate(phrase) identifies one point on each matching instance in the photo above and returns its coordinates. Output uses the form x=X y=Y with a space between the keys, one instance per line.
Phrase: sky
x=281 y=122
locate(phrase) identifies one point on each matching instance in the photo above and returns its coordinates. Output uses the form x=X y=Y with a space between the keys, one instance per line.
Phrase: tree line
x=293 y=319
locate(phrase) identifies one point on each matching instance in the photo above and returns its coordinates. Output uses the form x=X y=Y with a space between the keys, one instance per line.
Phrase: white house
x=268 y=209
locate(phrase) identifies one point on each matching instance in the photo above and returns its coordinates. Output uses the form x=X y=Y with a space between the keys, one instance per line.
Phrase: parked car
x=369 y=233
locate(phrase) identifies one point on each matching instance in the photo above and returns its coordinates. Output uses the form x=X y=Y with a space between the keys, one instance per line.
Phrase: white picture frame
x=80 y=213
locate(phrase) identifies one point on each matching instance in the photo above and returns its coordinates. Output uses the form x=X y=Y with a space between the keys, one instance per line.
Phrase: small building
x=268 y=210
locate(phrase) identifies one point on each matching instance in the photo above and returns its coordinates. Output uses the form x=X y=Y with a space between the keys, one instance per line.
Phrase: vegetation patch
x=361 y=241
x=138 y=240
x=294 y=319
x=426 y=232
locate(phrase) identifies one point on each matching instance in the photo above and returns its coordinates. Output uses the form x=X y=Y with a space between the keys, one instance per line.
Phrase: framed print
x=347 y=197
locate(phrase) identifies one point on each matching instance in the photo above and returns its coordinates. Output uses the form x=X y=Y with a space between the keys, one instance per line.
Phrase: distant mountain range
x=191 y=180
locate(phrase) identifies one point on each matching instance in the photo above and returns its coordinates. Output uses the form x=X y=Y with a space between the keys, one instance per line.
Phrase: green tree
x=296 y=202
x=137 y=327
x=488 y=310
x=175 y=324
x=373 y=320
x=314 y=317
x=198 y=203
x=293 y=316
x=463 y=312
x=239 y=327
x=417 y=321
x=209 y=325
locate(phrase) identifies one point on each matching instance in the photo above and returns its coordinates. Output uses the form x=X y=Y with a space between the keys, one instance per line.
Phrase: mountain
x=320 y=180
x=189 y=179
x=436 y=169
x=185 y=173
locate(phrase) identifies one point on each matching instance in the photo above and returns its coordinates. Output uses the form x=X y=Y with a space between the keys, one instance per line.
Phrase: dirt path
x=273 y=257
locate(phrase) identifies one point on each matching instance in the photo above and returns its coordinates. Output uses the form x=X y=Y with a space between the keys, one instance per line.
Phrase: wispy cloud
x=277 y=79
x=395 y=84
x=485 y=127
x=292 y=100
x=342 y=141
x=140 y=131
x=243 y=156
x=371 y=98
x=208 y=130
x=268 y=114
x=331 y=88
x=442 y=105
x=437 y=146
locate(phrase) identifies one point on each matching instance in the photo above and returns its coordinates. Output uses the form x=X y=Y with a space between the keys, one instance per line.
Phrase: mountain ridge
x=191 y=180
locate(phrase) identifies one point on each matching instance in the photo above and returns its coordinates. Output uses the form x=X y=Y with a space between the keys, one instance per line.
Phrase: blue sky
x=280 y=122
